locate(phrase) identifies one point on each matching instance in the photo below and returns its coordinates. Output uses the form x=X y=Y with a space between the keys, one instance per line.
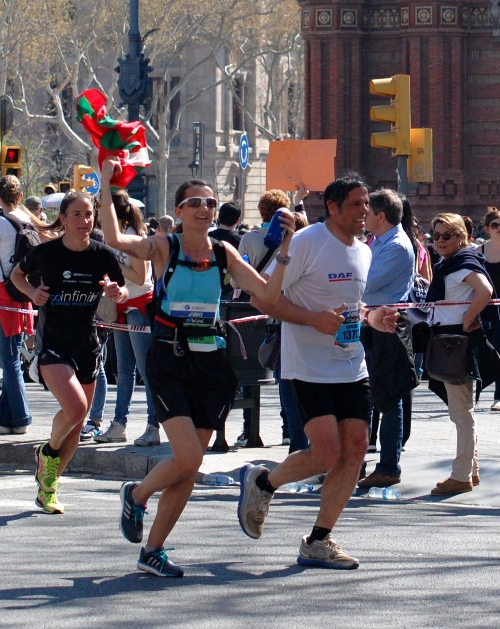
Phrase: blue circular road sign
x=95 y=186
x=244 y=151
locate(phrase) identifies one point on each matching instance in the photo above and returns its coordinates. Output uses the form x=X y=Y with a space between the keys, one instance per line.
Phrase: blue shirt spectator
x=391 y=271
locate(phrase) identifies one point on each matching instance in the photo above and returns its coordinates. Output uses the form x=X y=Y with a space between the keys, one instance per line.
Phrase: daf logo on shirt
x=339 y=277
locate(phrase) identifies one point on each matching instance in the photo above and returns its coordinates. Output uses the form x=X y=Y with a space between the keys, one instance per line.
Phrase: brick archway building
x=449 y=50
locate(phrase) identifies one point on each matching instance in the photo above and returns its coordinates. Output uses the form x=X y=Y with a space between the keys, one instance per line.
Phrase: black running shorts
x=85 y=366
x=342 y=400
x=199 y=385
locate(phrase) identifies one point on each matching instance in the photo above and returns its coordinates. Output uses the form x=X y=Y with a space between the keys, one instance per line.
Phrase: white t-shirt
x=135 y=290
x=324 y=273
x=455 y=290
x=8 y=241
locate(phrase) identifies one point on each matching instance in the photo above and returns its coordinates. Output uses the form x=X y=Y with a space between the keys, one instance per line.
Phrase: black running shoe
x=132 y=516
x=158 y=563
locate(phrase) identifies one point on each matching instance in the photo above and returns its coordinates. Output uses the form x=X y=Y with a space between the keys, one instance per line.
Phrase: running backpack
x=27 y=237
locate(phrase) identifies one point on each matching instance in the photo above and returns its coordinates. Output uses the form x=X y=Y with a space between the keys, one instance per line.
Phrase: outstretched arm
x=247 y=277
x=328 y=321
x=153 y=248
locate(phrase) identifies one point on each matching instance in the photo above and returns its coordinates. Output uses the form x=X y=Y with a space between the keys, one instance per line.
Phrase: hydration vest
x=176 y=329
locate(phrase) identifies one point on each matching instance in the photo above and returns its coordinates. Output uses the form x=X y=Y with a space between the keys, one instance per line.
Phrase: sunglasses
x=446 y=236
x=210 y=202
x=494 y=225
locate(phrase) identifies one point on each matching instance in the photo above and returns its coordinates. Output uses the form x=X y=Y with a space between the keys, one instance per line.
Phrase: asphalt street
x=425 y=561
x=422 y=565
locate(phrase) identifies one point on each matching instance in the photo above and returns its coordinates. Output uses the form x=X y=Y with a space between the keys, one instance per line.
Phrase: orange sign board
x=292 y=162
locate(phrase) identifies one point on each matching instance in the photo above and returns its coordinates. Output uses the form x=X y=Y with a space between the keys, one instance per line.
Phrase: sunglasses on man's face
x=494 y=225
x=195 y=202
x=445 y=236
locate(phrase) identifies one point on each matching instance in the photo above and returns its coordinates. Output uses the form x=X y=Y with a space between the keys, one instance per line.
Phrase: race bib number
x=197 y=314
x=349 y=333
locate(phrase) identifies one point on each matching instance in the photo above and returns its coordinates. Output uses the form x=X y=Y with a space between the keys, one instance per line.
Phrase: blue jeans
x=391 y=438
x=14 y=411
x=100 y=394
x=131 y=351
x=298 y=438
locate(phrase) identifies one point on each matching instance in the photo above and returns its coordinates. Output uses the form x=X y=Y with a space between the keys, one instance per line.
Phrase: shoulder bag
x=447 y=357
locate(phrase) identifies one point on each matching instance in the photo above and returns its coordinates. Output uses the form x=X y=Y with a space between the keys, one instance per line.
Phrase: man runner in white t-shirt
x=321 y=353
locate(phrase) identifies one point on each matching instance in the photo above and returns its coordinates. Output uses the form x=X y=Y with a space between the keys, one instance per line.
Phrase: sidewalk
x=426 y=460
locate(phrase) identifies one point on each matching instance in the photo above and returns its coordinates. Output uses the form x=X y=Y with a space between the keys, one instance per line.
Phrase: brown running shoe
x=378 y=480
x=476 y=480
x=451 y=486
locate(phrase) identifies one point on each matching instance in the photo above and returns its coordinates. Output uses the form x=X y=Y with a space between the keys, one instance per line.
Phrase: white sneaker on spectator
x=150 y=438
x=116 y=433
x=495 y=406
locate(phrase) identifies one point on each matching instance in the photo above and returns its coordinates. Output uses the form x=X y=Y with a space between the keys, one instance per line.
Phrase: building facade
x=451 y=50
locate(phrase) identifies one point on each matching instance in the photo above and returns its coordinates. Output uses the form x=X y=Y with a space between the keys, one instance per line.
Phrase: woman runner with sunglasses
x=489 y=317
x=193 y=386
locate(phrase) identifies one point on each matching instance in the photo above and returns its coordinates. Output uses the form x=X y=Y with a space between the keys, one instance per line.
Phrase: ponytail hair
x=128 y=214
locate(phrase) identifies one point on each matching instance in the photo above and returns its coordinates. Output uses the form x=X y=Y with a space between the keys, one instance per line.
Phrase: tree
x=73 y=47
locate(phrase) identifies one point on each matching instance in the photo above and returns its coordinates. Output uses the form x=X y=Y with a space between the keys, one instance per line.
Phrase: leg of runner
x=175 y=478
x=75 y=400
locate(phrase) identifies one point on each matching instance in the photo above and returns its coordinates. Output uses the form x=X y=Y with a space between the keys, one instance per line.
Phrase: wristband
x=282 y=260
x=117 y=299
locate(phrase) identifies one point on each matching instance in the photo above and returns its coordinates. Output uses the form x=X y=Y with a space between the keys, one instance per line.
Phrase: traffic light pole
x=402 y=172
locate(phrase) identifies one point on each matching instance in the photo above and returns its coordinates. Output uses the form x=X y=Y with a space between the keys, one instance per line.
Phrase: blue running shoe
x=132 y=516
x=159 y=564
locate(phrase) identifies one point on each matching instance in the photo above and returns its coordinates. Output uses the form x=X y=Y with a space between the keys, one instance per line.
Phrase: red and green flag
x=125 y=140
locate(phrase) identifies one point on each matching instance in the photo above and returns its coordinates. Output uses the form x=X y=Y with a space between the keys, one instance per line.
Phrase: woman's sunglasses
x=493 y=225
x=446 y=236
x=210 y=202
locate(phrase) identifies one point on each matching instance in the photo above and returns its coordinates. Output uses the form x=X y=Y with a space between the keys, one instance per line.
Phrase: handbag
x=447 y=357
x=107 y=309
x=270 y=349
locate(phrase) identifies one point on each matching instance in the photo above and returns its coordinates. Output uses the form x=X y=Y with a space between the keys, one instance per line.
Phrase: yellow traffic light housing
x=398 y=114
x=11 y=160
x=79 y=172
x=49 y=188
x=65 y=186
x=420 y=162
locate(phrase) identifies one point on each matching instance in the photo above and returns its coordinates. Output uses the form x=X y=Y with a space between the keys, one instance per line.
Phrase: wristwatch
x=282 y=260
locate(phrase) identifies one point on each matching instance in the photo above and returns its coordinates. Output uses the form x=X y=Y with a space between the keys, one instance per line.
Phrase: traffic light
x=398 y=114
x=65 y=186
x=420 y=162
x=49 y=188
x=79 y=172
x=11 y=160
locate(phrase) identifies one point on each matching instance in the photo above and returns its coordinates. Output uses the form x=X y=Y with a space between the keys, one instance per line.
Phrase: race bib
x=349 y=333
x=197 y=314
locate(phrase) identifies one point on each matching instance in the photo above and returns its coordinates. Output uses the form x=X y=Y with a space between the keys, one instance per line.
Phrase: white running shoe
x=325 y=554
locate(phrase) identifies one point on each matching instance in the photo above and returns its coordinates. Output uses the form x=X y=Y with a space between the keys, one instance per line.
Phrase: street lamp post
x=134 y=84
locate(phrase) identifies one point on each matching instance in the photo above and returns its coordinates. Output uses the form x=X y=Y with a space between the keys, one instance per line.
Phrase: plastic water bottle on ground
x=391 y=494
x=386 y=493
x=295 y=488
x=217 y=479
